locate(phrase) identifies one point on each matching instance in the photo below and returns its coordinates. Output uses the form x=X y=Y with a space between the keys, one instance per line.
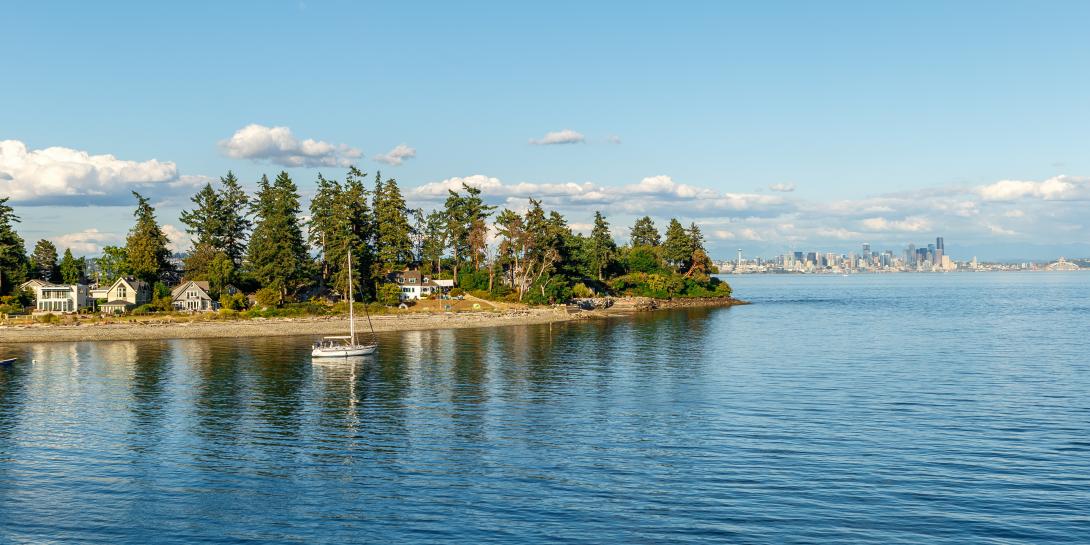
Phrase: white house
x=60 y=298
x=126 y=293
x=193 y=295
x=415 y=284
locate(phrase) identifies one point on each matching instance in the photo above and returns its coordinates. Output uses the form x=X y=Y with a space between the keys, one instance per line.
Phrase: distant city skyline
x=783 y=132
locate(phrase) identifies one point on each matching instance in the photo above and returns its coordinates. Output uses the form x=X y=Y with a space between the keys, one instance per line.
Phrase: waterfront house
x=33 y=285
x=125 y=294
x=415 y=284
x=59 y=298
x=193 y=295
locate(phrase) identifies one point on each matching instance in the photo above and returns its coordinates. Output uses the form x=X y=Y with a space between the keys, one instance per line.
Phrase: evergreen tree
x=204 y=221
x=467 y=227
x=45 y=261
x=278 y=253
x=146 y=245
x=393 y=234
x=678 y=247
x=13 y=259
x=234 y=221
x=644 y=233
x=602 y=247
x=341 y=219
x=699 y=262
x=72 y=269
x=419 y=231
x=434 y=240
x=322 y=228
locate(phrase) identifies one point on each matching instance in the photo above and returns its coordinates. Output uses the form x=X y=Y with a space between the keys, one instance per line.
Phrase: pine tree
x=234 y=221
x=644 y=233
x=45 y=261
x=341 y=219
x=602 y=247
x=467 y=226
x=72 y=269
x=678 y=247
x=699 y=262
x=435 y=240
x=146 y=245
x=13 y=258
x=204 y=221
x=393 y=242
x=322 y=227
x=278 y=253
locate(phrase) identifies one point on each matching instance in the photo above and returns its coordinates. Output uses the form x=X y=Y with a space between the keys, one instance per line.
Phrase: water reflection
x=755 y=424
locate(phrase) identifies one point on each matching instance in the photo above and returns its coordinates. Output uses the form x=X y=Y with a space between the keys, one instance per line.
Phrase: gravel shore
x=273 y=327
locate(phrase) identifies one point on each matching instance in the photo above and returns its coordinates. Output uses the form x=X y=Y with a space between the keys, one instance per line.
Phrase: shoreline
x=334 y=325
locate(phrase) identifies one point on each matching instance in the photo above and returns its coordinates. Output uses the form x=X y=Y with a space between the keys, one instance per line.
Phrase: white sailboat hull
x=343 y=351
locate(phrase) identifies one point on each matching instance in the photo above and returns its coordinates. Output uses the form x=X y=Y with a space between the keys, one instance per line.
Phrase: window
x=412 y=280
x=121 y=293
x=425 y=280
x=400 y=280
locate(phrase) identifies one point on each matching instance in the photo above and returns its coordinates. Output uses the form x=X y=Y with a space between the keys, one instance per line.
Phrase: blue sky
x=889 y=122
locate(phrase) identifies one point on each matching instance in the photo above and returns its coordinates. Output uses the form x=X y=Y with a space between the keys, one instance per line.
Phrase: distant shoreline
x=336 y=325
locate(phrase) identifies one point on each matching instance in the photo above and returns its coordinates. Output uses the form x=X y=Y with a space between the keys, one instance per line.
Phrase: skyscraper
x=939 y=251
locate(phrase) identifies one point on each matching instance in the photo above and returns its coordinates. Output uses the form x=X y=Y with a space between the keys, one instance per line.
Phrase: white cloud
x=999 y=230
x=722 y=234
x=56 y=175
x=653 y=194
x=782 y=187
x=396 y=156
x=179 y=240
x=907 y=225
x=614 y=139
x=1059 y=188
x=279 y=146
x=87 y=241
x=566 y=136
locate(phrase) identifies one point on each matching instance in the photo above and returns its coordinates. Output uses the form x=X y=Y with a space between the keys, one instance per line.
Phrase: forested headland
x=266 y=243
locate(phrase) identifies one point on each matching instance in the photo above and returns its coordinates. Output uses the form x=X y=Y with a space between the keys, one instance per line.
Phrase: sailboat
x=347 y=346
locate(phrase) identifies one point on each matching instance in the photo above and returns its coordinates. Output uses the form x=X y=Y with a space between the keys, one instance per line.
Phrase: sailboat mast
x=351 y=302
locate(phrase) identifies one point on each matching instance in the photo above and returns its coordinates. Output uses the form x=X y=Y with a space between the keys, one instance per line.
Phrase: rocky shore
x=192 y=329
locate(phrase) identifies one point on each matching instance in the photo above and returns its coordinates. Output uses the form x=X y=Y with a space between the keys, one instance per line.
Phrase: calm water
x=870 y=409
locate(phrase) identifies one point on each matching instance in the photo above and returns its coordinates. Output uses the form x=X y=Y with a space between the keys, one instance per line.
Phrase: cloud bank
x=277 y=145
x=1026 y=212
x=60 y=176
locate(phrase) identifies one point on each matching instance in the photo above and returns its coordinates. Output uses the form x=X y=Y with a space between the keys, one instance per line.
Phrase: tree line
x=261 y=243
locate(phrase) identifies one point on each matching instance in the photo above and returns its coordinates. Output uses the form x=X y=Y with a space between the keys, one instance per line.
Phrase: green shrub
x=268 y=297
x=581 y=290
x=389 y=294
x=143 y=310
x=457 y=292
x=49 y=318
x=235 y=302
x=643 y=259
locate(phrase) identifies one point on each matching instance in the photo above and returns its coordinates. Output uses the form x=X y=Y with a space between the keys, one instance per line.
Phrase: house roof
x=117 y=302
x=413 y=273
x=181 y=288
x=130 y=282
